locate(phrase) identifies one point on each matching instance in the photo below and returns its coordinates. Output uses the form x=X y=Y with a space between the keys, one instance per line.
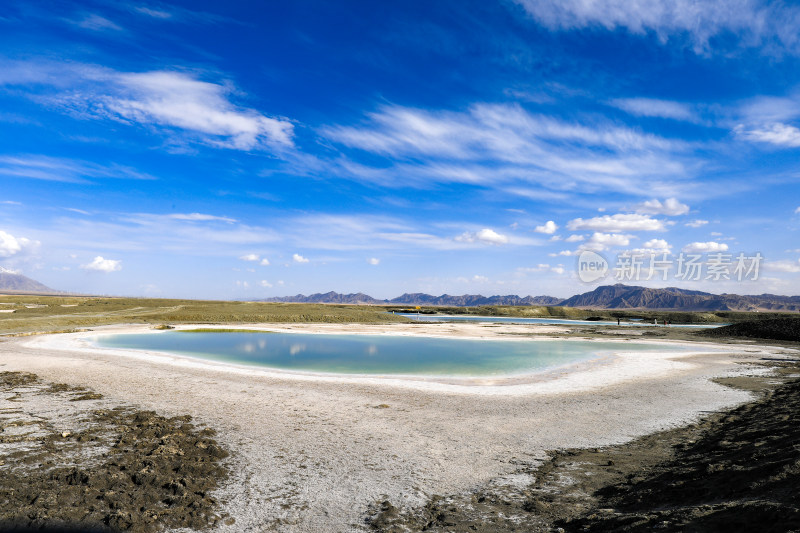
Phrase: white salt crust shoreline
x=311 y=452
x=598 y=372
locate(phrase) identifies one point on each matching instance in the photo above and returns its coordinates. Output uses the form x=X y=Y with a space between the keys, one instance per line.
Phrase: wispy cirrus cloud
x=769 y=120
x=41 y=167
x=170 y=102
x=775 y=133
x=650 y=107
x=504 y=145
x=756 y=23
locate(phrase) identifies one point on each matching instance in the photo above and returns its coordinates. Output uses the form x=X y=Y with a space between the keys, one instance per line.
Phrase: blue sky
x=254 y=149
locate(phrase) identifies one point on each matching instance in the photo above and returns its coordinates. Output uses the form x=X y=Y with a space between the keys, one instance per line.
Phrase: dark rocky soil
x=117 y=469
x=735 y=471
x=781 y=329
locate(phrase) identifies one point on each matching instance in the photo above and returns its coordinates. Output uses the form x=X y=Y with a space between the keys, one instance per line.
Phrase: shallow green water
x=375 y=354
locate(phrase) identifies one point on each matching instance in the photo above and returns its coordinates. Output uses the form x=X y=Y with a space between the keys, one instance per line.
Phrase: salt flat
x=310 y=453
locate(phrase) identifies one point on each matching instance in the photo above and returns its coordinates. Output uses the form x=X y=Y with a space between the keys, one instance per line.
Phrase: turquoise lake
x=375 y=354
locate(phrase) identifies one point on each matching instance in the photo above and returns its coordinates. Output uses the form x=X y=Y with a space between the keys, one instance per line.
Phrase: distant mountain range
x=605 y=297
x=10 y=281
x=418 y=299
x=631 y=297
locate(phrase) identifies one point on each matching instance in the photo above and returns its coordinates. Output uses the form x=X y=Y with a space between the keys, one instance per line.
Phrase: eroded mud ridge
x=735 y=471
x=69 y=460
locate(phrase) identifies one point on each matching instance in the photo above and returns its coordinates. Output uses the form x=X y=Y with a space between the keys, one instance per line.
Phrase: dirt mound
x=736 y=471
x=781 y=329
x=116 y=469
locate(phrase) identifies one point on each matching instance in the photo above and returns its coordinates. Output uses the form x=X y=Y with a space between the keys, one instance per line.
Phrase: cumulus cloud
x=653 y=246
x=603 y=241
x=10 y=245
x=297 y=258
x=264 y=262
x=549 y=228
x=657 y=244
x=265 y=283
x=618 y=222
x=103 y=265
x=575 y=238
x=249 y=257
x=797 y=211
x=696 y=223
x=670 y=207
x=373 y=261
x=774 y=133
x=705 y=247
x=486 y=236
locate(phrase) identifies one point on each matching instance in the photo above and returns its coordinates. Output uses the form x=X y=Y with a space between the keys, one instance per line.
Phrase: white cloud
x=774 y=133
x=782 y=266
x=753 y=22
x=670 y=207
x=649 y=107
x=486 y=236
x=373 y=261
x=480 y=279
x=575 y=238
x=10 y=245
x=705 y=247
x=103 y=265
x=264 y=262
x=797 y=211
x=657 y=244
x=653 y=246
x=155 y=13
x=249 y=257
x=618 y=222
x=166 y=100
x=97 y=23
x=178 y=100
x=42 y=167
x=549 y=228
x=508 y=147
x=543 y=267
x=696 y=223
x=603 y=241
x=297 y=258
x=265 y=283
x=200 y=217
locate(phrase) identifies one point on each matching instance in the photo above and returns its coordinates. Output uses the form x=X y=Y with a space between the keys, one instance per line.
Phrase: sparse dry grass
x=46 y=313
